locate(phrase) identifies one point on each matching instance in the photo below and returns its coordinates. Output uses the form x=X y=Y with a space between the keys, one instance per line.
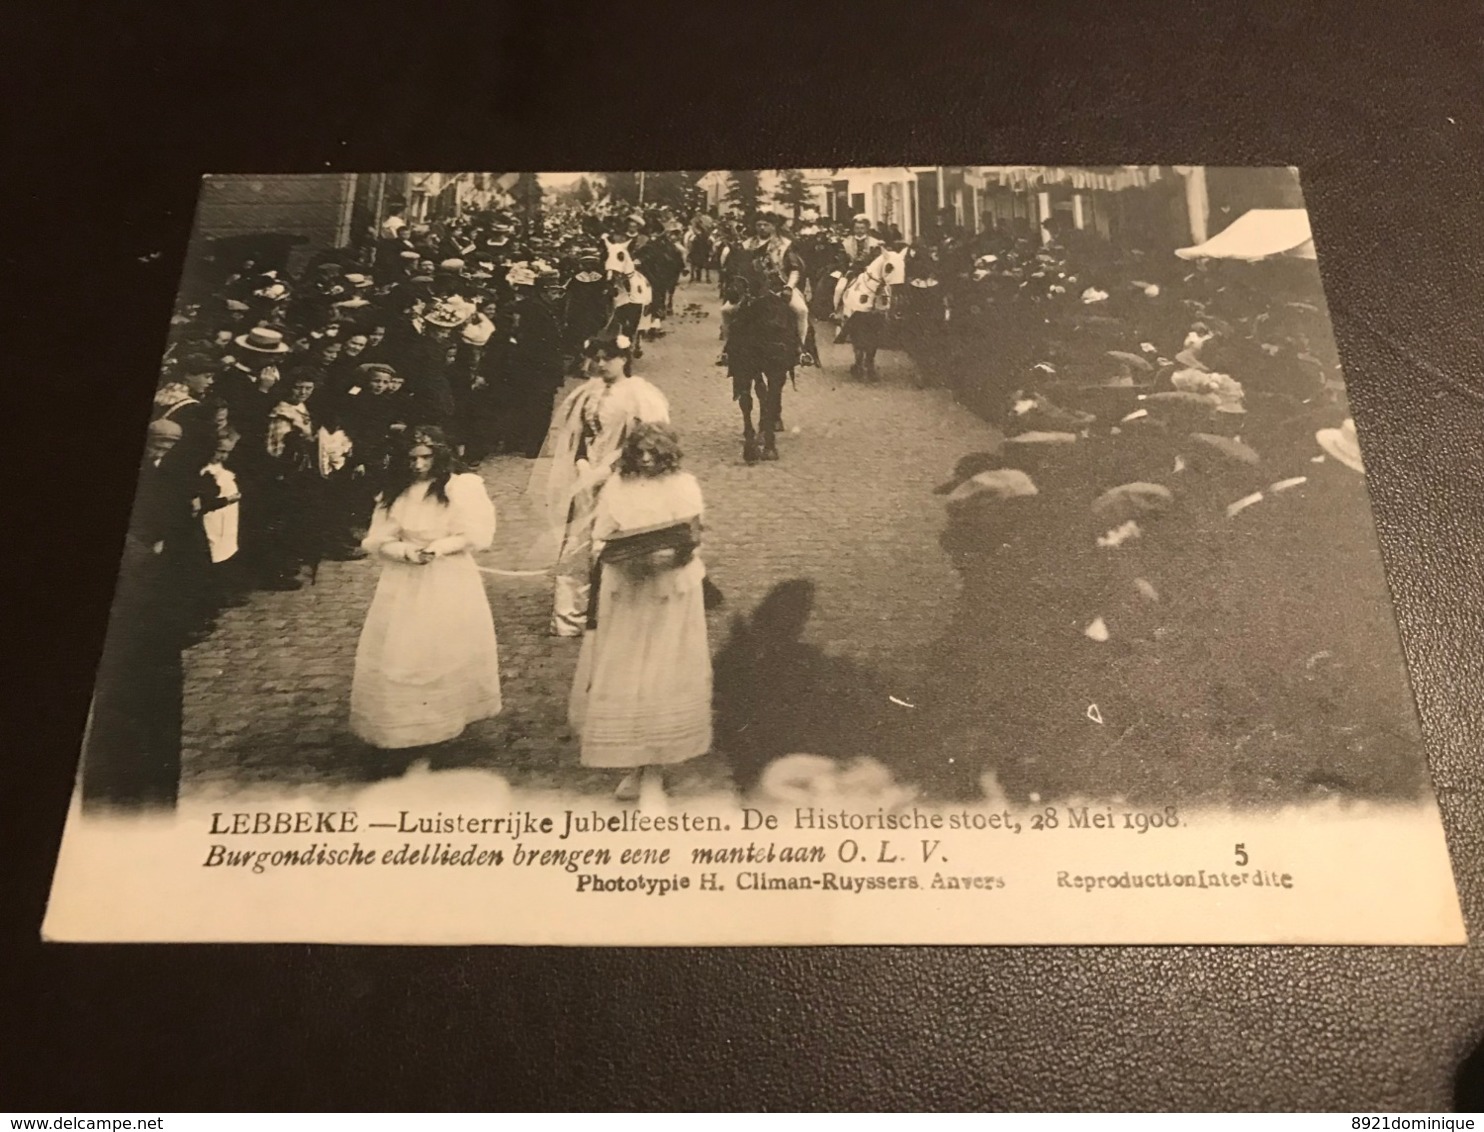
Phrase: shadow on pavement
x=776 y=695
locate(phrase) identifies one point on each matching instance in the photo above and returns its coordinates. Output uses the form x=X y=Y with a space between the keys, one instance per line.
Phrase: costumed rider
x=782 y=269
x=859 y=249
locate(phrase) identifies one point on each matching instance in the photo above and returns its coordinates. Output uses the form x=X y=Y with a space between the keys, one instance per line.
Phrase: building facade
x=444 y=196
x=304 y=212
x=1154 y=207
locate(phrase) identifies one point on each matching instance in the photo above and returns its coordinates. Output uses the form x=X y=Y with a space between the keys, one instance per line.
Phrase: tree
x=669 y=189
x=623 y=186
x=745 y=192
x=793 y=191
x=582 y=192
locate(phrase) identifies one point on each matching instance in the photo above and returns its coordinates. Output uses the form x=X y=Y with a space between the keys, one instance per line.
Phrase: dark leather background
x=117 y=112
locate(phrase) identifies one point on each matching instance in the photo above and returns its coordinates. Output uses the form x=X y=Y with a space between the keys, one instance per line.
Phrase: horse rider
x=779 y=262
x=860 y=247
x=856 y=251
x=865 y=302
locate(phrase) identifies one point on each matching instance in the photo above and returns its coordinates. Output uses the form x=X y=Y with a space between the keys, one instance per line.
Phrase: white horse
x=861 y=305
x=871 y=289
x=631 y=299
x=620 y=261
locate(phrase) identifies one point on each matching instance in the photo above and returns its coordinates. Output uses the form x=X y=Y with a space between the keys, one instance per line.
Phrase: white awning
x=1259 y=234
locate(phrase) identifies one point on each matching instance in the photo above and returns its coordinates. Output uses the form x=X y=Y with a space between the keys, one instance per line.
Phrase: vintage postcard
x=935 y=554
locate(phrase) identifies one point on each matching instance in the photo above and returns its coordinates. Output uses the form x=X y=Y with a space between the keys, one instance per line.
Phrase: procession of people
x=342 y=411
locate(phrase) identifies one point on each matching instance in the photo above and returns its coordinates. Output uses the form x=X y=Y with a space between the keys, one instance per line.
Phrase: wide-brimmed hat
x=1342 y=444
x=995 y=483
x=453 y=264
x=520 y=275
x=449 y=313
x=969 y=466
x=355 y=279
x=1136 y=500
x=262 y=340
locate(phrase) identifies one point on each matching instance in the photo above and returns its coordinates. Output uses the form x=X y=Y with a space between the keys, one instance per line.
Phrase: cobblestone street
x=848 y=506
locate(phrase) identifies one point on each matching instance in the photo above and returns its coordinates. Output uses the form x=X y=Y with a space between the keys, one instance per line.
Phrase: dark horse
x=762 y=347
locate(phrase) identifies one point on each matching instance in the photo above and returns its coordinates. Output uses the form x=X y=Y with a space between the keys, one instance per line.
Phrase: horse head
x=863 y=292
x=890 y=266
x=620 y=261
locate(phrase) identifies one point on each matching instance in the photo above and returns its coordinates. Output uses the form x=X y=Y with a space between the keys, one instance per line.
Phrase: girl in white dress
x=427 y=664
x=641 y=699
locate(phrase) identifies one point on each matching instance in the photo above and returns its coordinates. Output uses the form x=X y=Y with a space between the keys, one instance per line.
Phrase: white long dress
x=589 y=433
x=427 y=664
x=642 y=694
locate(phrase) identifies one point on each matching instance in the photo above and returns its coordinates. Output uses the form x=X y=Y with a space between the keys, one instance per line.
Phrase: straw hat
x=262 y=340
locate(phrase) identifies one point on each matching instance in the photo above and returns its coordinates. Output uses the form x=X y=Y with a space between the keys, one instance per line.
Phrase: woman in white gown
x=427 y=664
x=641 y=699
x=588 y=434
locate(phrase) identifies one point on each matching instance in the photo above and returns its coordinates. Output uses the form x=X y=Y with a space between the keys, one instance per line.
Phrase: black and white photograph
x=844 y=526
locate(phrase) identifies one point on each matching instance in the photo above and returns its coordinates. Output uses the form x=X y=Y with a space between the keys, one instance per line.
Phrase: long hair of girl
x=399 y=474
